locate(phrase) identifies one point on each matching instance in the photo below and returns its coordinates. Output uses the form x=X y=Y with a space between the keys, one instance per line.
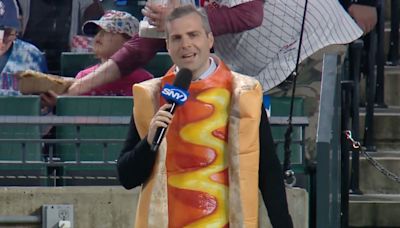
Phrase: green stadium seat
x=280 y=106
x=91 y=106
x=160 y=64
x=9 y=151
x=71 y=63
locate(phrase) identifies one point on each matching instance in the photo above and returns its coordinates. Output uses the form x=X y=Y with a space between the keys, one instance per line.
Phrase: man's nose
x=186 y=42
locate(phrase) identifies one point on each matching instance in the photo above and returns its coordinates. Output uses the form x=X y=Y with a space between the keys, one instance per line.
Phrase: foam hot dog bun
x=34 y=82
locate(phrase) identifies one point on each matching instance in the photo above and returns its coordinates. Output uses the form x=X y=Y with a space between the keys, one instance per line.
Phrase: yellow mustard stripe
x=200 y=133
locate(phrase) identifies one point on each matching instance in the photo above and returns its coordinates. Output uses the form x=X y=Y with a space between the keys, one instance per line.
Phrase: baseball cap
x=9 y=14
x=113 y=21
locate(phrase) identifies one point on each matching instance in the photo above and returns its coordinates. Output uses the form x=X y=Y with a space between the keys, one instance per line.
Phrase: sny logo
x=171 y=93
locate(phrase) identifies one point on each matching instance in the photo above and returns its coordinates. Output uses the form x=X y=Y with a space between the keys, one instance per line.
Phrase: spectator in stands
x=59 y=20
x=308 y=83
x=244 y=27
x=202 y=174
x=15 y=54
x=112 y=30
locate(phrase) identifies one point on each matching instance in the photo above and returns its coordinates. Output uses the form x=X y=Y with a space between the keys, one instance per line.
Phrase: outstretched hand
x=48 y=99
x=157 y=13
x=365 y=16
x=161 y=119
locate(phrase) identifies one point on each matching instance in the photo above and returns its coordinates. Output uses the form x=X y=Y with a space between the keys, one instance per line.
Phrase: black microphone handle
x=160 y=133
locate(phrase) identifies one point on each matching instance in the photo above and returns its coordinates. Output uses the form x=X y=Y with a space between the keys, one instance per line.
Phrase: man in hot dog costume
x=218 y=148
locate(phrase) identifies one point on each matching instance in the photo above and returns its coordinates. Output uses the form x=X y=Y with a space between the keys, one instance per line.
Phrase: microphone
x=175 y=94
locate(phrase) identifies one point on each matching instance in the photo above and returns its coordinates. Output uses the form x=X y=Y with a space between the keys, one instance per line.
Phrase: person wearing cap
x=111 y=31
x=15 y=55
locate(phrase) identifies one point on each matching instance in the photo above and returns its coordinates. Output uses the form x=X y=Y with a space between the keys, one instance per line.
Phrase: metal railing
x=393 y=55
x=51 y=161
x=380 y=55
x=76 y=121
x=328 y=177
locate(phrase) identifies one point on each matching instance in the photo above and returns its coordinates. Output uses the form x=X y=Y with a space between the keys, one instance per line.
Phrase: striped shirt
x=269 y=51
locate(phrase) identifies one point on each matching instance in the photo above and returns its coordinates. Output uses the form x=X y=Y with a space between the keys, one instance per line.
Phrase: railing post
x=346 y=87
x=354 y=68
x=328 y=146
x=380 y=56
x=370 y=92
x=393 y=55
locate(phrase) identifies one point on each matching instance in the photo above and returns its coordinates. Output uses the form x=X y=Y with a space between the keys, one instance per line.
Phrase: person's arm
x=363 y=12
x=222 y=19
x=135 y=53
x=271 y=178
x=239 y=18
x=105 y=73
x=136 y=160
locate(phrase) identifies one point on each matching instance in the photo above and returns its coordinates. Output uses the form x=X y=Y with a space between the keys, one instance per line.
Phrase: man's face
x=106 y=44
x=188 y=43
x=9 y=35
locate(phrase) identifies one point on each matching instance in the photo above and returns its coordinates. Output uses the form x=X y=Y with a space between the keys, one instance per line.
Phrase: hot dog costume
x=208 y=167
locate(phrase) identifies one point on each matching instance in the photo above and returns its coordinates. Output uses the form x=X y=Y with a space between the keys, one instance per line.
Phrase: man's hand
x=48 y=99
x=365 y=16
x=161 y=119
x=158 y=13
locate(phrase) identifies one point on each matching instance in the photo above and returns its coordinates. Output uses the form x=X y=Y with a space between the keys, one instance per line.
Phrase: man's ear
x=210 y=38
x=166 y=44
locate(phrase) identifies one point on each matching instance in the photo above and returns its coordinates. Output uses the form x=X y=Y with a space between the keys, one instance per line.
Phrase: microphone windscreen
x=183 y=79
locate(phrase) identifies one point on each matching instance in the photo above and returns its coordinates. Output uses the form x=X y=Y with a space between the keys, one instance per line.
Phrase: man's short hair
x=186 y=10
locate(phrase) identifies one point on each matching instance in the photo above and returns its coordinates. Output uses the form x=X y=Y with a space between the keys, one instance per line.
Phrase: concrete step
x=391 y=86
x=372 y=181
x=374 y=210
x=386 y=130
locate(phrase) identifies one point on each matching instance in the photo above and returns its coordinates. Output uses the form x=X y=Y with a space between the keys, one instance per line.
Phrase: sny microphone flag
x=174 y=94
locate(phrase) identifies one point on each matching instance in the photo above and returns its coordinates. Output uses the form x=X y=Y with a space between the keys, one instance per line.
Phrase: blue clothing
x=23 y=56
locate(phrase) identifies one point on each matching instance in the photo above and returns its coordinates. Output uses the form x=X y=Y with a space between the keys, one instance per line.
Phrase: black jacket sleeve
x=136 y=160
x=347 y=3
x=271 y=178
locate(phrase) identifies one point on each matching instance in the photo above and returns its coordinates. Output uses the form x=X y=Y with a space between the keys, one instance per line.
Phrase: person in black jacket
x=138 y=164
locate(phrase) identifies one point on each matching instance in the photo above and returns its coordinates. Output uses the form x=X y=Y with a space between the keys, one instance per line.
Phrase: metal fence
x=51 y=167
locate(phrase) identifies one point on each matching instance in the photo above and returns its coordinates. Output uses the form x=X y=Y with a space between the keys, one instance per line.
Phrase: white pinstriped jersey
x=269 y=51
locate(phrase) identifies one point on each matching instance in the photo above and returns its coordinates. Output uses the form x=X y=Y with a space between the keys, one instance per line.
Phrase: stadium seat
x=71 y=63
x=10 y=151
x=160 y=64
x=280 y=106
x=91 y=106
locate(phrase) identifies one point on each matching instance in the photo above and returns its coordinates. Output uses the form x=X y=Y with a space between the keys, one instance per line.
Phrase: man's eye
x=175 y=38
